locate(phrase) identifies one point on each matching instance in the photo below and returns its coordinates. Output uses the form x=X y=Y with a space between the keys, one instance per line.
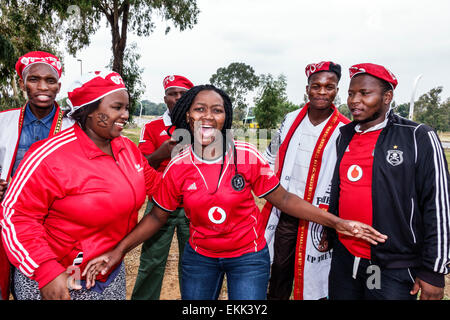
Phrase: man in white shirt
x=303 y=155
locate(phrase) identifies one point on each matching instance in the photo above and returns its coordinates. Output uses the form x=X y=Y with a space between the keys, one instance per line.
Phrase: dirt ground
x=170 y=288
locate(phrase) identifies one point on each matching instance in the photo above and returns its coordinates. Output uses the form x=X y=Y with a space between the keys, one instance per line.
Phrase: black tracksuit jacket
x=410 y=196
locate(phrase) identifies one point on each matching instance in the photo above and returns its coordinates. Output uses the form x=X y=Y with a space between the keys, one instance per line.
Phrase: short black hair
x=333 y=67
x=81 y=114
x=385 y=86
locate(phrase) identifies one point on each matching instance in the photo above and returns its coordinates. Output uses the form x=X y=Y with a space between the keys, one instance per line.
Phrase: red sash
x=310 y=188
x=54 y=129
x=313 y=176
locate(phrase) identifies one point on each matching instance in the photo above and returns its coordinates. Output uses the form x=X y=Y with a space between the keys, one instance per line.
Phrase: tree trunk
x=14 y=86
x=119 y=37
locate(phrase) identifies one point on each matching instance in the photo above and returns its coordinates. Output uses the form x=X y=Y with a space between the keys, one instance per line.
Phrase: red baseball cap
x=374 y=70
x=323 y=66
x=174 y=81
x=93 y=86
x=38 y=57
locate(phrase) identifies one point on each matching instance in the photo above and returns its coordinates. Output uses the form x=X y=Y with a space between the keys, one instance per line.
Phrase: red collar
x=90 y=148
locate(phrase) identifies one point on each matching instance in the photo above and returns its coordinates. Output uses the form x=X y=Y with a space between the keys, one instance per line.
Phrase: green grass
x=133 y=134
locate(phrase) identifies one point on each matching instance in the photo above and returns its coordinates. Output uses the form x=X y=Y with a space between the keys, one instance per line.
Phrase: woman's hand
x=359 y=230
x=102 y=264
x=58 y=288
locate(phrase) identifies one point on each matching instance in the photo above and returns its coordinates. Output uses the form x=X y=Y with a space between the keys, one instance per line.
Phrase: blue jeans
x=247 y=275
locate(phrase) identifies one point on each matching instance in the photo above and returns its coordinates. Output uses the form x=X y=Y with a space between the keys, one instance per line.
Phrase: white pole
x=411 y=103
x=140 y=113
x=246 y=114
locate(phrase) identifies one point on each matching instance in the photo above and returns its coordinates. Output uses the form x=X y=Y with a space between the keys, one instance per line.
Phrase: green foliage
x=237 y=80
x=151 y=108
x=24 y=26
x=81 y=19
x=343 y=108
x=42 y=25
x=401 y=109
x=428 y=109
x=271 y=104
x=132 y=77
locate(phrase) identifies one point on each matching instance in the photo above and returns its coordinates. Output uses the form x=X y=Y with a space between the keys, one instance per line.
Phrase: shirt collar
x=90 y=148
x=379 y=126
x=166 y=118
x=47 y=121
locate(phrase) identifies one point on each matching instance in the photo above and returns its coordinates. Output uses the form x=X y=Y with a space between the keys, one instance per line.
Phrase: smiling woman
x=83 y=187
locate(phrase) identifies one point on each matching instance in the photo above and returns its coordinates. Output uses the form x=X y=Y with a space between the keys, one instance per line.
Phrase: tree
x=122 y=16
x=271 y=104
x=401 y=109
x=428 y=109
x=343 y=109
x=446 y=112
x=132 y=76
x=42 y=24
x=24 y=26
x=237 y=80
x=151 y=108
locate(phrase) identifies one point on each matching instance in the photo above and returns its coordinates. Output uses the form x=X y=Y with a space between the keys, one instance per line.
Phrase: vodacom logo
x=354 y=173
x=217 y=215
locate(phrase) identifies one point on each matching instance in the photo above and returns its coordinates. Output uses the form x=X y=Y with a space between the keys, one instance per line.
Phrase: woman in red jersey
x=76 y=195
x=216 y=177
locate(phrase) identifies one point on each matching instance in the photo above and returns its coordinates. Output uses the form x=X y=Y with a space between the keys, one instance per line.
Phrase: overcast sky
x=281 y=37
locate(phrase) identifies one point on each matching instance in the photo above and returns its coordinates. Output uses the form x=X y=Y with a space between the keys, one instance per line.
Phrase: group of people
x=347 y=202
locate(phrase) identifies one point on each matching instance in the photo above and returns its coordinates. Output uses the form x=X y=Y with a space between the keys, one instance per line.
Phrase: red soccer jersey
x=355 y=199
x=153 y=134
x=224 y=222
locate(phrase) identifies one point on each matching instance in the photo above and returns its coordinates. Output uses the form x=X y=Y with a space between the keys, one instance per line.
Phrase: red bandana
x=93 y=86
x=374 y=70
x=174 y=81
x=323 y=66
x=38 y=57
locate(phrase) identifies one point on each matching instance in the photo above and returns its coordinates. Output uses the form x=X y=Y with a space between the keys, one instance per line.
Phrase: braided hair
x=182 y=106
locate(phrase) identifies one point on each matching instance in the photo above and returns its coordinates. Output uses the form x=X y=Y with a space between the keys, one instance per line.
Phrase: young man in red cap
x=39 y=118
x=304 y=150
x=391 y=173
x=156 y=145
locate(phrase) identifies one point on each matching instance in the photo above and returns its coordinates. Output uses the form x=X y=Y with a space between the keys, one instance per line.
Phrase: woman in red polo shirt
x=215 y=177
x=76 y=195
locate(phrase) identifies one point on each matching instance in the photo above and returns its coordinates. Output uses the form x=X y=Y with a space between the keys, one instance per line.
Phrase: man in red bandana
x=391 y=173
x=303 y=154
x=156 y=145
x=39 y=118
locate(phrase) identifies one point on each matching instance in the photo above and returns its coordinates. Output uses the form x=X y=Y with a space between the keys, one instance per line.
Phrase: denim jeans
x=365 y=281
x=247 y=275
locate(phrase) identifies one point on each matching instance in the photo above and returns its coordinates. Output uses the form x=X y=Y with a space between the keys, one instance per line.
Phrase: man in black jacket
x=391 y=173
